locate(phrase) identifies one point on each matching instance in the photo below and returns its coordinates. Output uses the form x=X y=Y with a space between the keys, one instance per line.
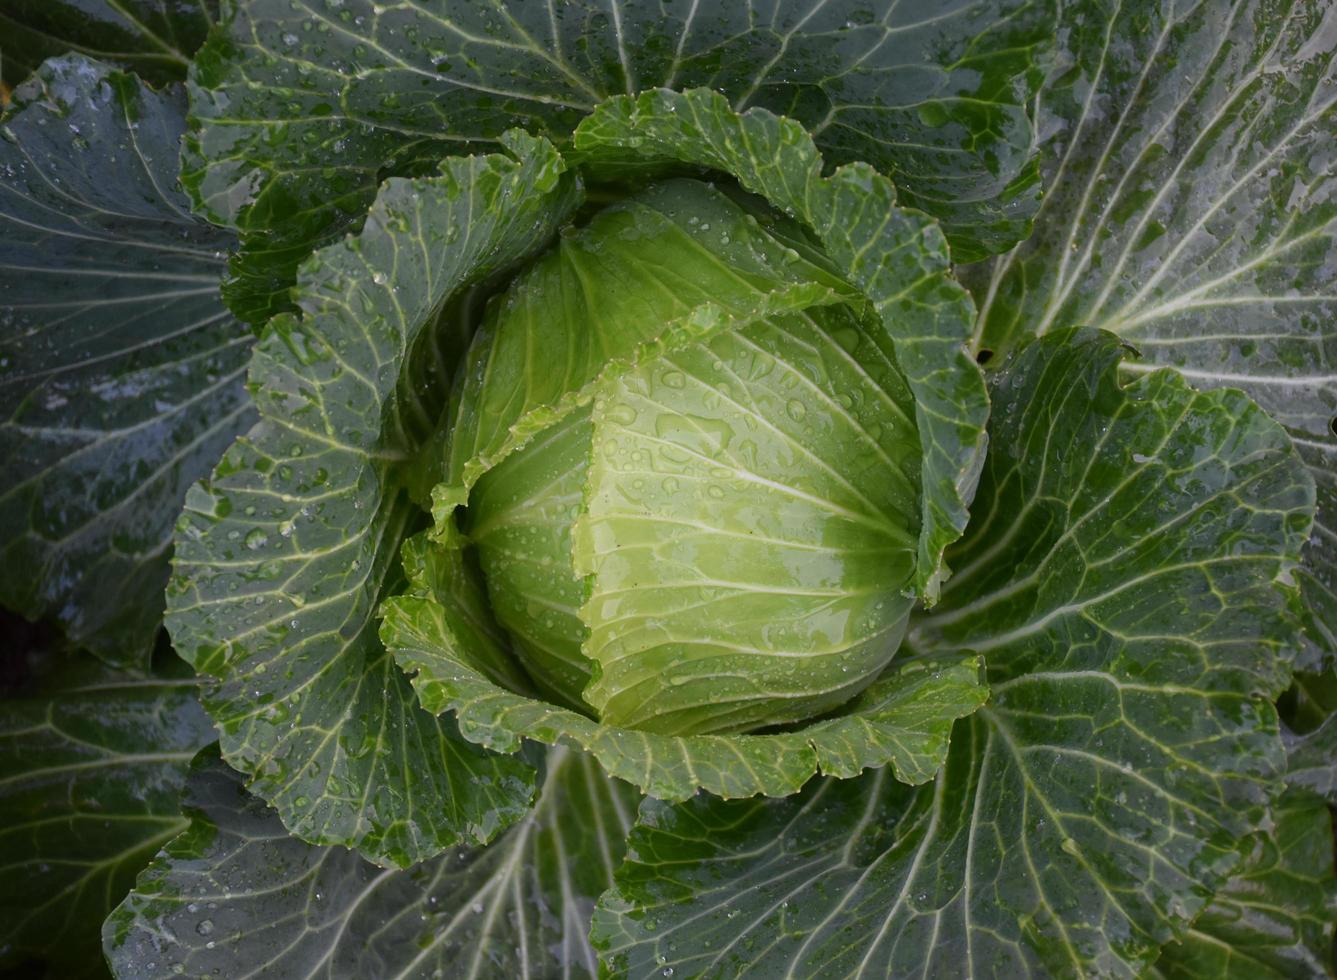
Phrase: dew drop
x=621 y=415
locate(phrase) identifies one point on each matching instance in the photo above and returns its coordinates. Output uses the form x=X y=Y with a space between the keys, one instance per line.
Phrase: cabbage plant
x=600 y=488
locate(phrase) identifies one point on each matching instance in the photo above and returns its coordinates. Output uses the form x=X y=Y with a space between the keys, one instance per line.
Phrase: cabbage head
x=712 y=532
x=680 y=491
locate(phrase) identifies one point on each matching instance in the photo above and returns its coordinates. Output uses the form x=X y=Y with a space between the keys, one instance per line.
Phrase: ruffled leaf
x=304 y=106
x=442 y=635
x=283 y=555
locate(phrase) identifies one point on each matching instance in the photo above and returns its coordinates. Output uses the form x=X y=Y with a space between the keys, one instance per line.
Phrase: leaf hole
x=984 y=355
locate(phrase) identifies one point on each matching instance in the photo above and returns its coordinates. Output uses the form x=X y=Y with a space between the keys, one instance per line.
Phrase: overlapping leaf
x=443 y=634
x=303 y=106
x=282 y=557
x=153 y=38
x=898 y=260
x=121 y=373
x=1192 y=209
x=236 y=893
x=1274 y=917
x=896 y=257
x=92 y=762
x=1312 y=760
x=1122 y=583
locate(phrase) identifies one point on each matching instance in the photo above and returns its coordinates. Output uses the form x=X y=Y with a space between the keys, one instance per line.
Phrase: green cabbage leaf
x=121 y=372
x=304 y=107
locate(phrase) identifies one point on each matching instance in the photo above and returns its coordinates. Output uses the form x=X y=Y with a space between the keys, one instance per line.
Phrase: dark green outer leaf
x=235 y=894
x=121 y=374
x=282 y=557
x=1192 y=209
x=1273 y=918
x=1123 y=588
x=304 y=106
x=91 y=766
x=154 y=38
x=1312 y=760
x=1276 y=915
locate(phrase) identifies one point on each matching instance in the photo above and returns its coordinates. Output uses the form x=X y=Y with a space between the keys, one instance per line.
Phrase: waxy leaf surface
x=121 y=372
x=236 y=894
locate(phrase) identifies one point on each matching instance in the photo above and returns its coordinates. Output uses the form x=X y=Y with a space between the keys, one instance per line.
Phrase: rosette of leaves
x=758 y=351
x=618 y=572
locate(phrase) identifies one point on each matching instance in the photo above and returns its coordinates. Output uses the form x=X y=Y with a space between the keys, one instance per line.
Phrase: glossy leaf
x=121 y=373
x=92 y=762
x=442 y=634
x=1192 y=209
x=150 y=37
x=750 y=538
x=895 y=257
x=304 y=106
x=236 y=894
x=1123 y=585
x=1274 y=918
x=283 y=555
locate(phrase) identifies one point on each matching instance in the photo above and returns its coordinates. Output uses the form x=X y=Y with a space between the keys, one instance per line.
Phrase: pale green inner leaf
x=520 y=517
x=638 y=271
x=750 y=526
